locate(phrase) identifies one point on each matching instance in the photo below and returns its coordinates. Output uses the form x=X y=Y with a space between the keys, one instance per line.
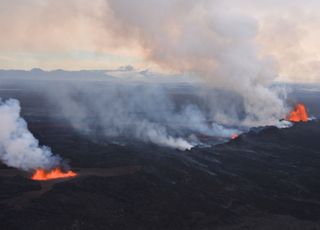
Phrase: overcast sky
x=82 y=34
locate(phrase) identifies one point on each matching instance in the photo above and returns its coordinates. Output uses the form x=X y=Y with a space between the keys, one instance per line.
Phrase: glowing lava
x=299 y=114
x=56 y=173
x=234 y=136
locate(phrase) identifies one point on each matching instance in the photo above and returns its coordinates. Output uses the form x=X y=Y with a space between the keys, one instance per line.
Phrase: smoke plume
x=210 y=42
x=142 y=110
x=18 y=147
x=205 y=40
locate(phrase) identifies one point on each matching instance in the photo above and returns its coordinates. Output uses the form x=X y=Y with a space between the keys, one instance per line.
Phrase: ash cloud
x=18 y=147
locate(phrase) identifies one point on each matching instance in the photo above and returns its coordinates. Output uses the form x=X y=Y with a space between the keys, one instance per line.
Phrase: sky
x=104 y=34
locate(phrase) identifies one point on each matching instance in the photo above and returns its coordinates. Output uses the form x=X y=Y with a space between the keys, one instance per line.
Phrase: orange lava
x=299 y=114
x=56 y=173
x=234 y=136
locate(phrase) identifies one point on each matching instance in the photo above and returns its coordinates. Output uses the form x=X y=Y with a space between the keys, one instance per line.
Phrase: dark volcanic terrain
x=264 y=180
x=268 y=178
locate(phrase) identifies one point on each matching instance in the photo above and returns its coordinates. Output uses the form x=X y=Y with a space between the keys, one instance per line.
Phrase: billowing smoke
x=18 y=147
x=205 y=39
x=142 y=110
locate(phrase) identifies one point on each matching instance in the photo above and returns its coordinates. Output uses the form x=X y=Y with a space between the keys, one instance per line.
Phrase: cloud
x=286 y=30
x=215 y=45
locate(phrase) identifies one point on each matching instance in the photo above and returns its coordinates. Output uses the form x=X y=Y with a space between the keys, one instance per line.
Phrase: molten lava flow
x=234 y=136
x=56 y=173
x=299 y=114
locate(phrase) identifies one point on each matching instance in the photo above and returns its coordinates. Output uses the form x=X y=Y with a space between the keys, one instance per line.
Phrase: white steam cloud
x=145 y=111
x=18 y=147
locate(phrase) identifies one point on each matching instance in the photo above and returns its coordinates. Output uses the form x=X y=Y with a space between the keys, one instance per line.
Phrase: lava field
x=266 y=179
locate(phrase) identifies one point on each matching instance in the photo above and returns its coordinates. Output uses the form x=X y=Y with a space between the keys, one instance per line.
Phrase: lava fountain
x=234 y=136
x=299 y=114
x=57 y=173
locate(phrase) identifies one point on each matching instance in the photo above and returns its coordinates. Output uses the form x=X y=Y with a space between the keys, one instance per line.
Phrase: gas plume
x=130 y=109
x=194 y=38
x=199 y=39
x=204 y=39
x=18 y=147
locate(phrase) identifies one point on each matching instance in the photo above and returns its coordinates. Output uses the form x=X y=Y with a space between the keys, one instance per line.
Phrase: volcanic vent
x=57 y=173
x=20 y=149
x=299 y=114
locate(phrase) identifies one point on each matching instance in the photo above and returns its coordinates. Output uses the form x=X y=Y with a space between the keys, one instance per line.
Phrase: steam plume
x=145 y=111
x=18 y=147
x=206 y=40
x=201 y=39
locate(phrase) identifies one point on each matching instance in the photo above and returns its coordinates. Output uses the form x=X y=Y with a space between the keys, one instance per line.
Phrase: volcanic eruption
x=299 y=114
x=20 y=149
x=234 y=136
x=56 y=173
